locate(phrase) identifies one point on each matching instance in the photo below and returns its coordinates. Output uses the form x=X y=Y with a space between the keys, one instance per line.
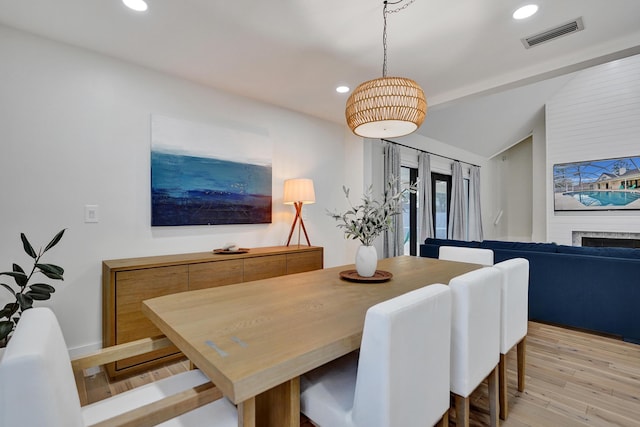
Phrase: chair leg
x=502 y=379
x=493 y=397
x=462 y=410
x=521 y=349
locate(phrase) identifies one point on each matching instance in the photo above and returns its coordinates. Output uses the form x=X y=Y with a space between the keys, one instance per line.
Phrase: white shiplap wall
x=595 y=116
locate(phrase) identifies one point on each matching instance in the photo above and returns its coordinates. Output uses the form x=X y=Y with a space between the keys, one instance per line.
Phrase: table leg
x=280 y=406
x=247 y=413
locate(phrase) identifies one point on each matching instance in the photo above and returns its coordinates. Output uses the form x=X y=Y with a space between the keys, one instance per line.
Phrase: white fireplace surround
x=577 y=236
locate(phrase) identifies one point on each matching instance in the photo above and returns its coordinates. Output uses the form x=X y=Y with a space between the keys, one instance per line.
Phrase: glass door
x=409 y=176
x=441 y=191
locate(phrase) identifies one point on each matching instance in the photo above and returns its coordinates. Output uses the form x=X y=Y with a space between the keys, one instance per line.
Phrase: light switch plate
x=91 y=213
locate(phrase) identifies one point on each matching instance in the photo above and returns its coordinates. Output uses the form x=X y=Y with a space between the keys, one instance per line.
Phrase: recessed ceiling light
x=525 y=11
x=137 y=5
x=342 y=89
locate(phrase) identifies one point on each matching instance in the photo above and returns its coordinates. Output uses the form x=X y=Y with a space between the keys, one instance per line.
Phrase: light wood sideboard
x=128 y=282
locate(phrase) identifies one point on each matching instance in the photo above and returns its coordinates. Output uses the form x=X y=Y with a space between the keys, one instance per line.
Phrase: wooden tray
x=378 y=276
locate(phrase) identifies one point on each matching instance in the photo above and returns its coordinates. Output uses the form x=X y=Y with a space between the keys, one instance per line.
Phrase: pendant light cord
x=384 y=40
x=384 y=29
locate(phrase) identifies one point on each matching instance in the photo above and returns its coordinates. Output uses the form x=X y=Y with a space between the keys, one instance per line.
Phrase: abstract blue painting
x=207 y=175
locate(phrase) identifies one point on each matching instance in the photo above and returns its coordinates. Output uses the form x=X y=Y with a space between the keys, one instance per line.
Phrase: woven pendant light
x=388 y=106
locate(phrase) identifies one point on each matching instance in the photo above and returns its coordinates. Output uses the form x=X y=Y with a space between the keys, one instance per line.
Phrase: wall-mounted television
x=596 y=185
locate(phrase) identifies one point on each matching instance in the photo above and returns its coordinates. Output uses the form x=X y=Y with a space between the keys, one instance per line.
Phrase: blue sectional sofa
x=596 y=289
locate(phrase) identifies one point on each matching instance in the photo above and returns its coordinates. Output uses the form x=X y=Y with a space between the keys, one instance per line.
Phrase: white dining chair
x=37 y=388
x=401 y=376
x=463 y=254
x=475 y=338
x=514 y=322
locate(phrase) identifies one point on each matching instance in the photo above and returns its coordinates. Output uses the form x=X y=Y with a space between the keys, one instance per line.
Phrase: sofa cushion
x=447 y=242
x=429 y=251
x=519 y=246
x=628 y=253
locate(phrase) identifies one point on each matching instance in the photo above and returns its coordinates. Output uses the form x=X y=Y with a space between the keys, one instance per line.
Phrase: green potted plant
x=23 y=291
x=366 y=221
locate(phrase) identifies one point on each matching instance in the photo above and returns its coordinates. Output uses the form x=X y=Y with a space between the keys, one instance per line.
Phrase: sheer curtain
x=394 y=237
x=475 y=217
x=457 y=211
x=425 y=211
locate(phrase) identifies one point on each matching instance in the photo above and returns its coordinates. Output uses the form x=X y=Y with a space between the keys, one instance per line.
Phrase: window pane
x=441 y=198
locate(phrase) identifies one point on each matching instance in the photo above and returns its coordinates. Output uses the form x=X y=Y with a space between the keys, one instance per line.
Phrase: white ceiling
x=293 y=53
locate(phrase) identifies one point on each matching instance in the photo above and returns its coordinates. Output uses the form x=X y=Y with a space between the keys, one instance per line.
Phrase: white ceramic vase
x=366 y=260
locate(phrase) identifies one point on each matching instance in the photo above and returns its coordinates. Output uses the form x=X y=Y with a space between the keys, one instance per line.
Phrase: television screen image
x=607 y=184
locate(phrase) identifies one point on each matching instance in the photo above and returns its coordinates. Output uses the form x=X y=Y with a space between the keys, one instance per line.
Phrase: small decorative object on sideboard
x=26 y=294
x=366 y=221
x=231 y=248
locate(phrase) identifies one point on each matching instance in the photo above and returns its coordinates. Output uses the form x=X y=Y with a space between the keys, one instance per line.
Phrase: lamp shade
x=299 y=190
x=386 y=107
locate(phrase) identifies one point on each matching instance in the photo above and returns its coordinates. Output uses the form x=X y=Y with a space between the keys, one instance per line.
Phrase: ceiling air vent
x=553 y=33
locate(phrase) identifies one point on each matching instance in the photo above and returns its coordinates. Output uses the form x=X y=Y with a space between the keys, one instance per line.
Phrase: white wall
x=519 y=200
x=513 y=188
x=595 y=116
x=499 y=224
x=75 y=130
x=538 y=180
x=519 y=188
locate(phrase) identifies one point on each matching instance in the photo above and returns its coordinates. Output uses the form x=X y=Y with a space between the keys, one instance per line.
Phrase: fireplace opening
x=609 y=242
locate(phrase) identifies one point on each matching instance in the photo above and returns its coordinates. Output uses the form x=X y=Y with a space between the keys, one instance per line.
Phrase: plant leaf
x=55 y=240
x=42 y=288
x=9 y=288
x=17 y=268
x=38 y=296
x=9 y=309
x=6 y=326
x=20 y=278
x=25 y=301
x=51 y=271
x=27 y=246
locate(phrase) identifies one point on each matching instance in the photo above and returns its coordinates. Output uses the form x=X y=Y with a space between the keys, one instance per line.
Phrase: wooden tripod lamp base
x=297 y=192
x=298 y=219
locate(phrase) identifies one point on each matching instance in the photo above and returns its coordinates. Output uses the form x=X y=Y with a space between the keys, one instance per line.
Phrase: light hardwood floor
x=573 y=379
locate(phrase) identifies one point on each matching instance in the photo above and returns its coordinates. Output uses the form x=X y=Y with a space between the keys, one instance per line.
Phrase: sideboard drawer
x=219 y=273
x=303 y=261
x=264 y=267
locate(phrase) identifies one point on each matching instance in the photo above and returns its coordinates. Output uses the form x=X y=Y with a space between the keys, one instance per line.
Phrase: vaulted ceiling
x=483 y=87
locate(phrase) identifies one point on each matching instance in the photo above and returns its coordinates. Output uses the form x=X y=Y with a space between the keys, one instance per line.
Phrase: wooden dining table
x=255 y=339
